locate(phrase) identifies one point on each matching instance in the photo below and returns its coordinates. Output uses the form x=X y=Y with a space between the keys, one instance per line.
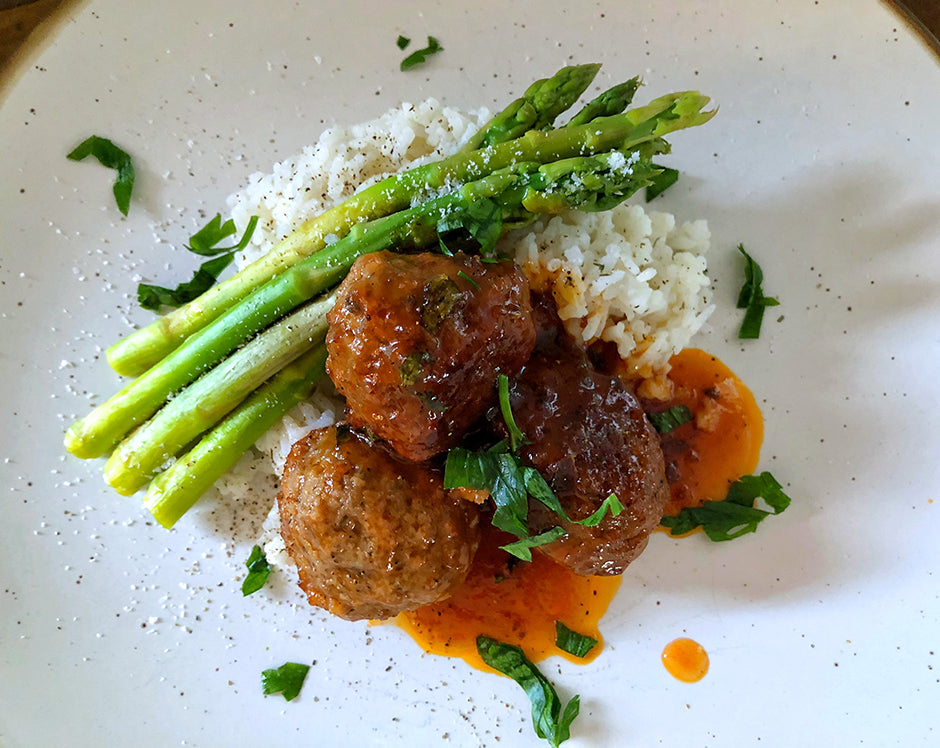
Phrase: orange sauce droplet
x=722 y=442
x=513 y=601
x=686 y=660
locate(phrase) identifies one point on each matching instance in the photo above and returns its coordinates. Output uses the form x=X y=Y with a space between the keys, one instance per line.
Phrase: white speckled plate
x=824 y=161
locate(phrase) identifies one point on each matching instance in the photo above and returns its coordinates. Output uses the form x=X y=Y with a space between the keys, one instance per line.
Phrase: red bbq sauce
x=518 y=602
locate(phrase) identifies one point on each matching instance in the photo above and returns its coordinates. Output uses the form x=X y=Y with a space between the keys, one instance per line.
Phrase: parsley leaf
x=736 y=515
x=572 y=642
x=752 y=299
x=113 y=157
x=258 y=571
x=154 y=297
x=549 y=720
x=402 y=41
x=670 y=419
x=420 y=56
x=516 y=437
x=203 y=242
x=522 y=548
x=661 y=182
x=482 y=219
x=286 y=680
x=496 y=471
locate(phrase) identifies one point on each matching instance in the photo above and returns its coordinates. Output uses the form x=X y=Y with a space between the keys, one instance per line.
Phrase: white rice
x=626 y=276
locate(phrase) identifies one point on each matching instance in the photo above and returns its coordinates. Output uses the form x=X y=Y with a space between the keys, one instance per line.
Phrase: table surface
x=17 y=23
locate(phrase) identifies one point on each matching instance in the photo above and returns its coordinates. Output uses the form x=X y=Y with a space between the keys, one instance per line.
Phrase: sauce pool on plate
x=518 y=602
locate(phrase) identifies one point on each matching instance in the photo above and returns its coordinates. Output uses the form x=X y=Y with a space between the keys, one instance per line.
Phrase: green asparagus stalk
x=147 y=346
x=103 y=428
x=612 y=101
x=538 y=107
x=173 y=492
x=549 y=188
x=200 y=406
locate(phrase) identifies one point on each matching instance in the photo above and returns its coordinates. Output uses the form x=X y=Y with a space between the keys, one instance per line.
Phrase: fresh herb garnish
x=113 y=157
x=482 y=219
x=736 y=515
x=402 y=41
x=751 y=298
x=420 y=56
x=572 y=642
x=510 y=483
x=258 y=571
x=516 y=437
x=522 y=547
x=469 y=279
x=286 y=680
x=203 y=243
x=661 y=182
x=670 y=419
x=549 y=720
x=154 y=297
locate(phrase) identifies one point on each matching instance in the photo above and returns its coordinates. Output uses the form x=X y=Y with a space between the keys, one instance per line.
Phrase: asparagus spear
x=612 y=101
x=173 y=492
x=538 y=107
x=201 y=405
x=145 y=347
x=519 y=193
x=553 y=188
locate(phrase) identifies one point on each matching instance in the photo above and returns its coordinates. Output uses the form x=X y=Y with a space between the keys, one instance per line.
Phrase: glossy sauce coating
x=416 y=342
x=588 y=437
x=522 y=608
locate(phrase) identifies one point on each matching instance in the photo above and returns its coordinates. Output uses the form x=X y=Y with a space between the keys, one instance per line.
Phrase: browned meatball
x=416 y=341
x=588 y=437
x=371 y=534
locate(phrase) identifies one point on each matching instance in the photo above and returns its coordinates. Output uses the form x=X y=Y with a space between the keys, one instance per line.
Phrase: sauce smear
x=514 y=601
x=518 y=602
x=721 y=443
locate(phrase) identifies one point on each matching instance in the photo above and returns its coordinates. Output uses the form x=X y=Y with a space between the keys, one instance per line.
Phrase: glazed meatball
x=588 y=437
x=371 y=535
x=416 y=342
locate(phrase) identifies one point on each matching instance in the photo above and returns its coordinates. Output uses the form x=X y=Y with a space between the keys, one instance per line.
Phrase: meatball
x=416 y=341
x=588 y=437
x=371 y=534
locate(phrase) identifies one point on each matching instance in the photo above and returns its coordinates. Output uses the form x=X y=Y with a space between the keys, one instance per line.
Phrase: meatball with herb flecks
x=372 y=535
x=416 y=342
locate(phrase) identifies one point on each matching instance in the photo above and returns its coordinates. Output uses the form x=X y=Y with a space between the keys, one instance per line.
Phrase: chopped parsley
x=419 y=56
x=402 y=41
x=286 y=680
x=113 y=157
x=670 y=419
x=736 y=515
x=522 y=547
x=572 y=642
x=516 y=437
x=752 y=299
x=482 y=219
x=550 y=721
x=258 y=571
x=203 y=243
